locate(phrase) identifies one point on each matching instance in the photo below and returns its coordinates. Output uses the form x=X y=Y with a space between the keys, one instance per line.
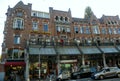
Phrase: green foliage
x=88 y=13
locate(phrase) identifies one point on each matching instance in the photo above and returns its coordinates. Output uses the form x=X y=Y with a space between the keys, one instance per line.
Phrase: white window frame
x=95 y=30
x=17 y=39
x=34 y=25
x=16 y=24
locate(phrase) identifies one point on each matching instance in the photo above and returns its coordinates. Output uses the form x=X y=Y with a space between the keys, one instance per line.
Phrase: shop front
x=92 y=55
x=111 y=55
x=42 y=62
x=14 y=67
x=68 y=58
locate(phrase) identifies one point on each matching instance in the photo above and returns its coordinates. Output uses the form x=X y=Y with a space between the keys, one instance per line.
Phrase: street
x=89 y=79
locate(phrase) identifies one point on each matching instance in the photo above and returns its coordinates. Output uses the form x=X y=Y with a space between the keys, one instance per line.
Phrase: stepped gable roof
x=19 y=4
x=110 y=18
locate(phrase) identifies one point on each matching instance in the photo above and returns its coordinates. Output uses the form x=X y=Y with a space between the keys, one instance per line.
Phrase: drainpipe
x=58 y=64
x=83 y=60
x=104 y=60
x=39 y=65
x=27 y=66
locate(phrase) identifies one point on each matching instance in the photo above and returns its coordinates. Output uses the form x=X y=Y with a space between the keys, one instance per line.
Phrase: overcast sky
x=99 y=7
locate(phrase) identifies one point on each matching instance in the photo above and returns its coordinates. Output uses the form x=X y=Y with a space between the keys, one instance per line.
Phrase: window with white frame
x=115 y=30
x=95 y=30
x=118 y=30
x=68 y=29
x=103 y=31
x=110 y=30
x=17 y=39
x=76 y=29
x=58 y=28
x=45 y=27
x=82 y=30
x=15 y=53
x=34 y=25
x=63 y=29
x=87 y=30
x=18 y=23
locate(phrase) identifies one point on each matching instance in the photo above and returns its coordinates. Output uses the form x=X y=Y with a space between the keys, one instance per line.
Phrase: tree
x=88 y=13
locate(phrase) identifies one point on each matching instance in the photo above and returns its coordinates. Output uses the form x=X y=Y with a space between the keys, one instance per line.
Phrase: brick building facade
x=56 y=38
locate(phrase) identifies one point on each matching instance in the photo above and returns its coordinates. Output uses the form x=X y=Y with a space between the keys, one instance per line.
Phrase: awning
x=109 y=49
x=67 y=61
x=68 y=50
x=90 y=50
x=118 y=47
x=15 y=64
x=42 y=51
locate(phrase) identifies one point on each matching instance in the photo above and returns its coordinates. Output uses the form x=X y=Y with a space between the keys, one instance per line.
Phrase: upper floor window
x=118 y=30
x=82 y=30
x=58 y=28
x=76 y=29
x=104 y=31
x=18 y=23
x=45 y=27
x=66 y=19
x=68 y=29
x=95 y=30
x=87 y=30
x=115 y=30
x=16 y=39
x=56 y=18
x=19 y=14
x=34 y=25
x=110 y=30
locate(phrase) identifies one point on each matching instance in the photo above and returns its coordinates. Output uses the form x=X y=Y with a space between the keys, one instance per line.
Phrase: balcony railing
x=72 y=43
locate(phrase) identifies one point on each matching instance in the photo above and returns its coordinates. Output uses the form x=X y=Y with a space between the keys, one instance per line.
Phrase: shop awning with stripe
x=90 y=50
x=109 y=49
x=68 y=50
x=42 y=51
x=15 y=64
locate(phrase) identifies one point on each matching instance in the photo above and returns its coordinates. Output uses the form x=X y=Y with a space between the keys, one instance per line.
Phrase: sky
x=99 y=7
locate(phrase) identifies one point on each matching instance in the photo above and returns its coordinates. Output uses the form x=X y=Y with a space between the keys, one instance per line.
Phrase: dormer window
x=66 y=19
x=108 y=22
x=56 y=18
x=61 y=18
x=34 y=14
